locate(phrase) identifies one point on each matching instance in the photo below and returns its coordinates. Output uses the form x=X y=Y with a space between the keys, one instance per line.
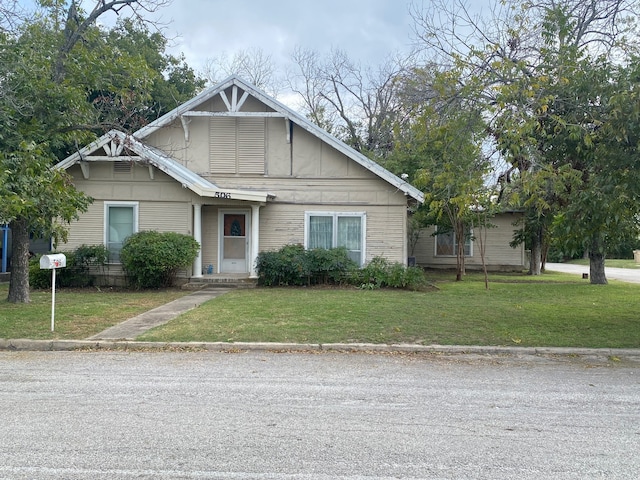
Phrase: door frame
x=247 y=234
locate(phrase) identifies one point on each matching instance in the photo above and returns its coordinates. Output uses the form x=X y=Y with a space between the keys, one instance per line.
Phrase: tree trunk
x=536 y=254
x=19 y=282
x=459 y=235
x=596 y=262
x=543 y=255
x=482 y=237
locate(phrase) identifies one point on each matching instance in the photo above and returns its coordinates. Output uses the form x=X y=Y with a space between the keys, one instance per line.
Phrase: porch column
x=197 y=235
x=255 y=239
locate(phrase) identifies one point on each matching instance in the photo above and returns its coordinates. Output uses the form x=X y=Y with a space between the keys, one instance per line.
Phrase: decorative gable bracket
x=84 y=166
x=235 y=104
x=113 y=148
x=233 y=110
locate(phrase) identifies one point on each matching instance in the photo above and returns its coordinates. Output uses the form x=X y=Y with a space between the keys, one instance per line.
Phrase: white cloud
x=367 y=30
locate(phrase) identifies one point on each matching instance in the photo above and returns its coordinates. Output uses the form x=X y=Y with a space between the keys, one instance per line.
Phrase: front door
x=234 y=242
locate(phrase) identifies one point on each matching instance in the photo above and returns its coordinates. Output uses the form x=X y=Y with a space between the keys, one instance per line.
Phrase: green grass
x=551 y=310
x=554 y=309
x=610 y=262
x=78 y=314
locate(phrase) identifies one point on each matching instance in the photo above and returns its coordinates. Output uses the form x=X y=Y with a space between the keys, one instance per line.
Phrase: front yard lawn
x=80 y=313
x=552 y=310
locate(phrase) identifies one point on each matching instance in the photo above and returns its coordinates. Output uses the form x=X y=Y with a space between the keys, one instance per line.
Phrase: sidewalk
x=136 y=326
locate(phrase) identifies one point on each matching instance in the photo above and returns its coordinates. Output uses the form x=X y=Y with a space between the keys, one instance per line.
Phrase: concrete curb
x=71 y=345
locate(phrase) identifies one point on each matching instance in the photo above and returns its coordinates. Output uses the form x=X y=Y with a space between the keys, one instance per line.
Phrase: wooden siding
x=165 y=217
x=498 y=254
x=284 y=224
x=209 y=237
x=89 y=230
x=278 y=160
x=357 y=191
x=137 y=186
x=160 y=216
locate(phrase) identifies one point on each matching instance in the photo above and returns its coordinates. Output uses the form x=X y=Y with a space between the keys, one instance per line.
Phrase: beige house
x=241 y=173
x=439 y=251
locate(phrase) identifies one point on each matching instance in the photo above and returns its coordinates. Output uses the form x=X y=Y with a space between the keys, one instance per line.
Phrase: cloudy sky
x=366 y=29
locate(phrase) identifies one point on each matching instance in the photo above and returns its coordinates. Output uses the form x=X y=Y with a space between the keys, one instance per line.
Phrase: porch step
x=220 y=281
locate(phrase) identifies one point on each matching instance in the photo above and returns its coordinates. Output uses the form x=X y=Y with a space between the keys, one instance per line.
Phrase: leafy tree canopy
x=64 y=80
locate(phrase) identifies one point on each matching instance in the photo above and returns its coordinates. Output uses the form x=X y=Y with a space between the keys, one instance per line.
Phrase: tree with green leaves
x=561 y=114
x=547 y=96
x=442 y=152
x=64 y=80
x=32 y=195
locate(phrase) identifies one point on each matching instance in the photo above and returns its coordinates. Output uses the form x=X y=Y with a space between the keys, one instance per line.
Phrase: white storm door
x=234 y=241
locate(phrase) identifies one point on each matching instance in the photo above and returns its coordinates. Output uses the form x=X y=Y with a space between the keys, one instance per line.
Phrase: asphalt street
x=612 y=273
x=257 y=415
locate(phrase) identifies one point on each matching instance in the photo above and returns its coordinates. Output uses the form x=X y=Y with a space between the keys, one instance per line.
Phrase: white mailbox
x=55 y=260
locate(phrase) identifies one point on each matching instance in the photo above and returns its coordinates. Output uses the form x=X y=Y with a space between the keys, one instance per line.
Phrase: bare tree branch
x=11 y=12
x=253 y=65
x=76 y=27
x=359 y=103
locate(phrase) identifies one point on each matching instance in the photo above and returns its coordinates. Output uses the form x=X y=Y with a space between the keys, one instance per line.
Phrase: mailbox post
x=53 y=262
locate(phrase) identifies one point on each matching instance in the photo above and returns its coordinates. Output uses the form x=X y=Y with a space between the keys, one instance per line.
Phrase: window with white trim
x=120 y=221
x=336 y=229
x=447 y=244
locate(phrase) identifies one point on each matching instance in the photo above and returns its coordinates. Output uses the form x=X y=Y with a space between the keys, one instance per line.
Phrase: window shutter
x=251 y=145
x=223 y=139
x=237 y=145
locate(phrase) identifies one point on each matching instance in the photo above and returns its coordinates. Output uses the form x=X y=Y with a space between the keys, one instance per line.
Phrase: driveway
x=623 y=274
x=203 y=415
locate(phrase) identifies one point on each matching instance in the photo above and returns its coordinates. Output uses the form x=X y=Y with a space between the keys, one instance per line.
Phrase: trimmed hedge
x=152 y=259
x=292 y=265
x=295 y=266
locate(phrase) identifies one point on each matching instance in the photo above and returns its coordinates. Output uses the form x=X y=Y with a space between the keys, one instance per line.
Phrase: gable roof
x=115 y=143
x=277 y=107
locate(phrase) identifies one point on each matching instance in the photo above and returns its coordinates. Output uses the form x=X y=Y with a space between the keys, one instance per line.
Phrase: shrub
x=152 y=259
x=77 y=273
x=330 y=266
x=380 y=273
x=293 y=265
x=287 y=266
x=374 y=274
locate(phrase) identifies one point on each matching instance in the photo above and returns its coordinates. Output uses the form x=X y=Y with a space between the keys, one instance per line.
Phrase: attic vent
x=121 y=167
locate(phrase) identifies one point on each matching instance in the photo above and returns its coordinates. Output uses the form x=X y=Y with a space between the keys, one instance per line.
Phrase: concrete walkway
x=612 y=273
x=136 y=326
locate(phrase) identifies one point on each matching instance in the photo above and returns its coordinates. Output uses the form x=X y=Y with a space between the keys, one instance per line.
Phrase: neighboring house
x=4 y=247
x=36 y=246
x=241 y=173
x=439 y=251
